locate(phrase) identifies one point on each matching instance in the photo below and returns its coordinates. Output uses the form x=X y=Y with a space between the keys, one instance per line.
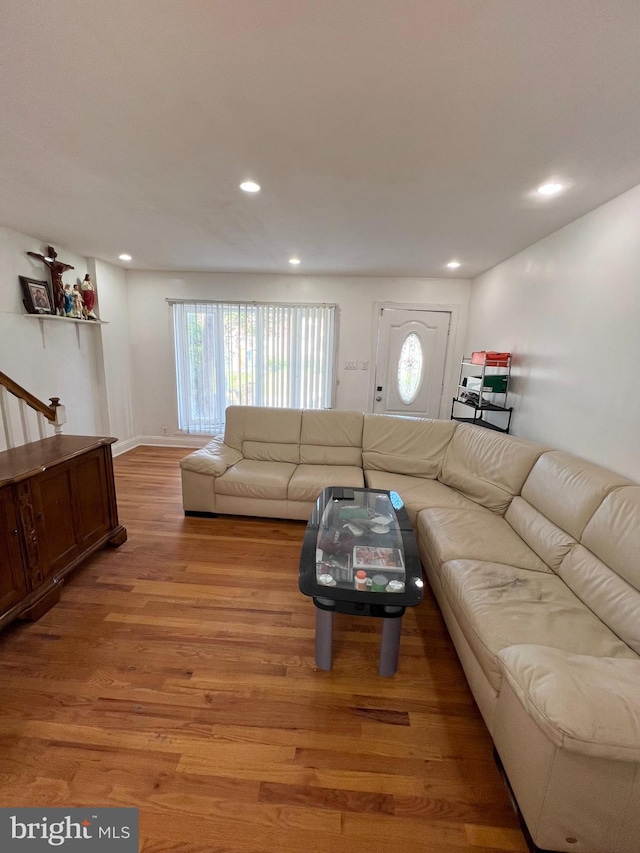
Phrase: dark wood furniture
x=57 y=506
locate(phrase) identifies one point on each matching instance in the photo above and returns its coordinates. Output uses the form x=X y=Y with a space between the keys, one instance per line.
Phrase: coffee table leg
x=324 y=638
x=390 y=646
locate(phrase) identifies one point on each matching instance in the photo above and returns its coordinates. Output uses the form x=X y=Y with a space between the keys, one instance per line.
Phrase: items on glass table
x=347 y=513
x=342 y=573
x=367 y=557
x=339 y=541
x=327 y=580
x=361 y=580
x=395 y=586
x=396 y=500
x=336 y=565
x=383 y=505
x=379 y=583
x=377 y=524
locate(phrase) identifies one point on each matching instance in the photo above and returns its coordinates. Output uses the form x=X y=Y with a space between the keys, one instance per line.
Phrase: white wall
x=86 y=365
x=112 y=292
x=152 y=345
x=63 y=363
x=568 y=308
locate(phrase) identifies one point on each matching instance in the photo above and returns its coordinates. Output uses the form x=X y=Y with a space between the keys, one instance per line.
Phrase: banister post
x=60 y=414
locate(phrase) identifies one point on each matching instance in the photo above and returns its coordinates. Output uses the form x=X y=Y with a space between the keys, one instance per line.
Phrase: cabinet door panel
x=91 y=499
x=52 y=493
x=12 y=580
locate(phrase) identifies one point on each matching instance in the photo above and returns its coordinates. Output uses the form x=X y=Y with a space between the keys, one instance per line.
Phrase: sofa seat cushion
x=252 y=479
x=460 y=534
x=418 y=493
x=308 y=481
x=498 y=606
x=584 y=704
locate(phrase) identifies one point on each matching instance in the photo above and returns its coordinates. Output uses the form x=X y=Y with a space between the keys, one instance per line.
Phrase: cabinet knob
x=378 y=399
x=14 y=532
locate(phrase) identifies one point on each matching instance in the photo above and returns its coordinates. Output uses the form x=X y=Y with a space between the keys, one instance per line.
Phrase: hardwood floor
x=176 y=674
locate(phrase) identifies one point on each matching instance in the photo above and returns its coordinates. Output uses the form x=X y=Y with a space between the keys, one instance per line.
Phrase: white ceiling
x=389 y=136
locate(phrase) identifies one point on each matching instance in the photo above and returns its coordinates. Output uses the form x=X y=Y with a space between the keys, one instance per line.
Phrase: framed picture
x=37 y=296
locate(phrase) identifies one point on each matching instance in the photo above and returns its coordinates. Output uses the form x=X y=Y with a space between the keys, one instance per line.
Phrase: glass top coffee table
x=360 y=556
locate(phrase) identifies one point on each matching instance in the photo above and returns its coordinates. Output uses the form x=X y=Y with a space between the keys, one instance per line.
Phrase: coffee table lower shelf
x=389 y=643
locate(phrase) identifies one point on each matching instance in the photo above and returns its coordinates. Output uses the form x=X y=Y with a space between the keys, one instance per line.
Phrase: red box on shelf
x=491 y=359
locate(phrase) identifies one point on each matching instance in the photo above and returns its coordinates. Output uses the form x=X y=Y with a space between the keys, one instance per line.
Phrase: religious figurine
x=88 y=297
x=68 y=301
x=56 y=268
x=78 y=304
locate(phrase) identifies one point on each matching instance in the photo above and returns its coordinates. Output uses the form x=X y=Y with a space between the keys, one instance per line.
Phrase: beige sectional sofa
x=534 y=558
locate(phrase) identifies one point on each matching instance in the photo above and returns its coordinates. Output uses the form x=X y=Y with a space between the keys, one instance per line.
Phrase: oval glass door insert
x=410 y=365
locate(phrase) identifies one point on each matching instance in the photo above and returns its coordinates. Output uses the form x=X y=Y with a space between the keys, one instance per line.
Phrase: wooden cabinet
x=57 y=506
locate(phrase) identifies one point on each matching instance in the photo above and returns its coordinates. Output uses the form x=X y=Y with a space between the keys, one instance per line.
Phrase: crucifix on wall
x=56 y=268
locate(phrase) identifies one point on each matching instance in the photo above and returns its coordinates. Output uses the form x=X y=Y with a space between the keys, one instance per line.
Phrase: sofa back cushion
x=610 y=597
x=551 y=543
x=604 y=570
x=567 y=490
x=613 y=533
x=330 y=437
x=400 y=445
x=486 y=466
x=264 y=434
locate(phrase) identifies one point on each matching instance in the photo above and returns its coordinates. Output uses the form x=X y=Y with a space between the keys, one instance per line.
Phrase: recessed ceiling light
x=250 y=187
x=125 y=257
x=453 y=265
x=552 y=188
x=294 y=261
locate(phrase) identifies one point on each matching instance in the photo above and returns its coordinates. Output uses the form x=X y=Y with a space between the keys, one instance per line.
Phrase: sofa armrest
x=584 y=704
x=214 y=458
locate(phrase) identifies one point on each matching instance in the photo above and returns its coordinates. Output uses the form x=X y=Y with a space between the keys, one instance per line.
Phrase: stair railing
x=53 y=415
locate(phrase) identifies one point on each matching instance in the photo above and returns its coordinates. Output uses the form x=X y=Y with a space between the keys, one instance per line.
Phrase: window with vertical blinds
x=250 y=354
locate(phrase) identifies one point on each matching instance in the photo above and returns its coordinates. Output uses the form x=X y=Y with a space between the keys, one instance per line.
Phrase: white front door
x=410 y=356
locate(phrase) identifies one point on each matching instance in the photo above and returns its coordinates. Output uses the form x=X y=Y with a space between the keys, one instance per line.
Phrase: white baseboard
x=122 y=446
x=188 y=441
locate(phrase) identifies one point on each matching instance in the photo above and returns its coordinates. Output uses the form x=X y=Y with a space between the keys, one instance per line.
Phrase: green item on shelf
x=496 y=384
